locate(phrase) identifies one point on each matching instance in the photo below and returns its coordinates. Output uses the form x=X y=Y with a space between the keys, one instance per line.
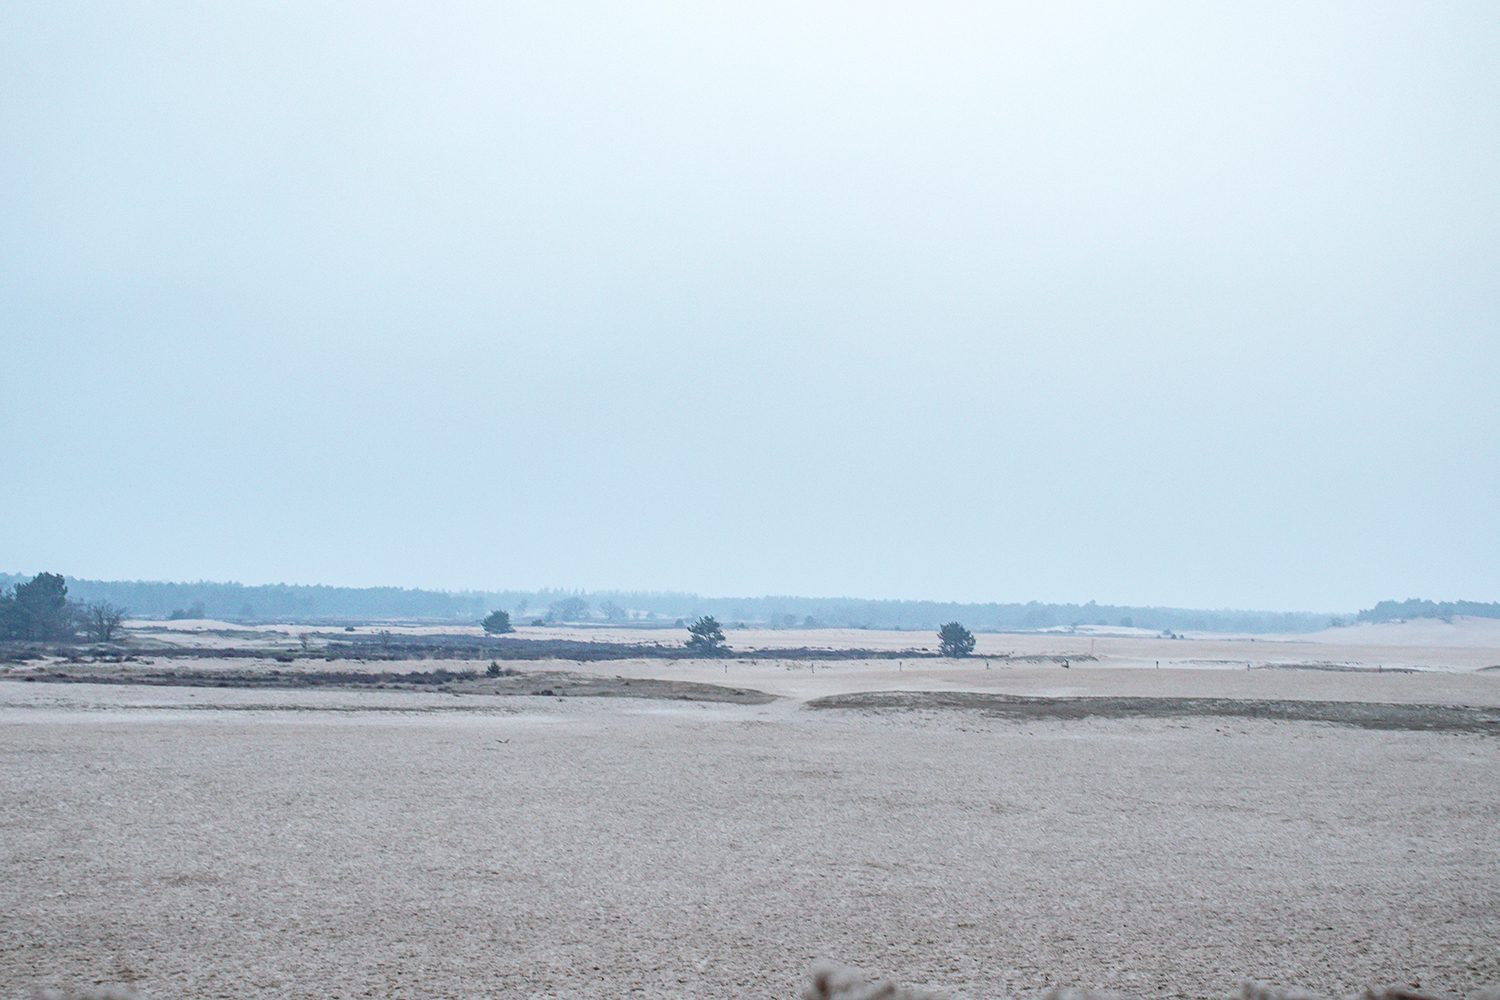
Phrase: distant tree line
x=289 y=602
x=38 y=610
x=1413 y=607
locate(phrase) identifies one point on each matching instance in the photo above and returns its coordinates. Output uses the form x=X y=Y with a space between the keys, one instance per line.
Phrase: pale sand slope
x=803 y=679
x=1468 y=644
x=1464 y=644
x=605 y=848
x=1431 y=632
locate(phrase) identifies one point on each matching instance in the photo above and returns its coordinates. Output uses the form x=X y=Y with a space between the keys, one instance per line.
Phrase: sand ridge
x=287 y=841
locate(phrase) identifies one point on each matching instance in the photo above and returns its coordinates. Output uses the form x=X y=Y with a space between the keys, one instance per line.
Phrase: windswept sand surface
x=223 y=842
x=1463 y=644
x=1460 y=644
x=596 y=848
x=805 y=680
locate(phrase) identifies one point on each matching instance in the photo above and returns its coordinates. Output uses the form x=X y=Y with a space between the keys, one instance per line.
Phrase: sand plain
x=221 y=842
x=1458 y=644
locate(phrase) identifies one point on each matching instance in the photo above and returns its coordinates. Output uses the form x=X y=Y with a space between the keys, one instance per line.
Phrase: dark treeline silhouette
x=39 y=610
x=317 y=603
x=1415 y=607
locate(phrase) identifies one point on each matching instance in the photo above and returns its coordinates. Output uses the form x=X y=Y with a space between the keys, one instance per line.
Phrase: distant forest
x=1415 y=607
x=321 y=604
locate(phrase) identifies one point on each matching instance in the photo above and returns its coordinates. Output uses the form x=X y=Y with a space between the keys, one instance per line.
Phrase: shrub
x=101 y=619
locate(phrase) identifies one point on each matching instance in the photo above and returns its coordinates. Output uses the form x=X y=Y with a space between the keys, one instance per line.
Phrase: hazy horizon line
x=558 y=590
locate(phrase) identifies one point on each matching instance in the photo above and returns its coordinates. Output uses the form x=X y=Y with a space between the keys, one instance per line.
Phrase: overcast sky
x=1192 y=304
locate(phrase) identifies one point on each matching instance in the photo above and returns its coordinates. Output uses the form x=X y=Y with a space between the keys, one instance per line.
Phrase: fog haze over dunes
x=999 y=495
x=151 y=599
x=294 y=602
x=1184 y=305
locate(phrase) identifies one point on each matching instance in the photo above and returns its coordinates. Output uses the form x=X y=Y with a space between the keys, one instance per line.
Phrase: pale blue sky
x=1192 y=304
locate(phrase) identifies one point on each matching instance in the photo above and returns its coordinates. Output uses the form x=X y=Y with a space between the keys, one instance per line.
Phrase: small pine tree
x=39 y=609
x=955 y=640
x=706 y=637
x=497 y=623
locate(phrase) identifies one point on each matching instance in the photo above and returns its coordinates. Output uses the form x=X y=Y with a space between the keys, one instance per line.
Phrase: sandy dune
x=223 y=842
x=669 y=850
x=1463 y=644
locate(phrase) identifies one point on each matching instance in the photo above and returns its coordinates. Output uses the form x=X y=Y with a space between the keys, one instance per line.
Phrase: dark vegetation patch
x=463 y=647
x=388 y=647
x=1019 y=708
x=1339 y=668
x=547 y=683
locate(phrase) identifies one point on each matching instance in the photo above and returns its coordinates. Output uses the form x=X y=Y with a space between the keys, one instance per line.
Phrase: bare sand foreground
x=214 y=842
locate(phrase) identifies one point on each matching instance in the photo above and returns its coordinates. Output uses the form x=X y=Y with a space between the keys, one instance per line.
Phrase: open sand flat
x=1462 y=644
x=220 y=842
x=804 y=680
x=712 y=827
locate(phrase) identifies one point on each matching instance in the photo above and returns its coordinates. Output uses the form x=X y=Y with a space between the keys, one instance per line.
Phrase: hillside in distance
x=321 y=603
x=1415 y=607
